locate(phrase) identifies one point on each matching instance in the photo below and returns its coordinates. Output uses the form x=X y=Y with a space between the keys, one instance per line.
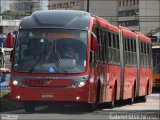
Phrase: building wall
x=149 y=12
x=25 y=6
x=65 y=4
x=104 y=8
x=127 y=4
x=44 y=4
x=128 y=13
x=143 y=15
x=5 y=3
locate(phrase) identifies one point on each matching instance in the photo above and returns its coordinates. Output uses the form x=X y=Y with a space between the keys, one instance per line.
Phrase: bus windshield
x=51 y=51
x=156 y=60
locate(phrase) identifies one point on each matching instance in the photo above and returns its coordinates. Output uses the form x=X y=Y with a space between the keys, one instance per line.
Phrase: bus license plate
x=47 y=95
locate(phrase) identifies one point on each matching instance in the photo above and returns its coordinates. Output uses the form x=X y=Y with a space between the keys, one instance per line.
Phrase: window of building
x=137 y=2
x=126 y=2
x=130 y=2
x=53 y=6
x=65 y=5
x=120 y=3
x=127 y=13
x=72 y=4
x=77 y=4
x=134 y=2
x=129 y=23
x=123 y=2
x=49 y=7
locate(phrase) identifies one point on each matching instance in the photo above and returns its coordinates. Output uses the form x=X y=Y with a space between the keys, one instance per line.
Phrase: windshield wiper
x=59 y=58
x=33 y=67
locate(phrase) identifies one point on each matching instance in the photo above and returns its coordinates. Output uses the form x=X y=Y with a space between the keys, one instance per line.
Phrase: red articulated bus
x=109 y=63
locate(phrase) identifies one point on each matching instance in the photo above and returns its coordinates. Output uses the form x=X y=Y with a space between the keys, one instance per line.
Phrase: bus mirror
x=94 y=42
x=10 y=39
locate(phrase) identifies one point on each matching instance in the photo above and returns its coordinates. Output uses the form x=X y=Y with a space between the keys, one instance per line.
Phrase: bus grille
x=47 y=83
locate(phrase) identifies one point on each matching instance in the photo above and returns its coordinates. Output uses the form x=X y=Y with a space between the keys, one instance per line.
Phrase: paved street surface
x=139 y=111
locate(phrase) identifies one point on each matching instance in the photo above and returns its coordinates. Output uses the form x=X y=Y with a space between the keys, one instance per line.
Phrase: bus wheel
x=53 y=107
x=114 y=103
x=143 y=98
x=29 y=107
x=91 y=107
x=132 y=99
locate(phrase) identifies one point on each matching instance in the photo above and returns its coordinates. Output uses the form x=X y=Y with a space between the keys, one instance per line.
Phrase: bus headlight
x=15 y=82
x=18 y=97
x=79 y=84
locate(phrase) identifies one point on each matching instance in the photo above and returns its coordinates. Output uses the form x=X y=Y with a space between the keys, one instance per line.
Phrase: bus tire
x=114 y=102
x=132 y=99
x=91 y=107
x=143 y=98
x=29 y=107
x=98 y=94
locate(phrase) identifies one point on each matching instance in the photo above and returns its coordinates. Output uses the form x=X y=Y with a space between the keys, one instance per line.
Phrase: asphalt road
x=138 y=111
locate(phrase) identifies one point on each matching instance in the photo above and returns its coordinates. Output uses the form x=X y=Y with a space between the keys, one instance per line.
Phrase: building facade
x=65 y=4
x=25 y=6
x=5 y=3
x=11 y=12
x=104 y=8
x=149 y=12
x=128 y=13
x=141 y=15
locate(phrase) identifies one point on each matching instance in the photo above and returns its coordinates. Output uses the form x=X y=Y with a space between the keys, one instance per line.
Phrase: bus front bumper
x=50 y=94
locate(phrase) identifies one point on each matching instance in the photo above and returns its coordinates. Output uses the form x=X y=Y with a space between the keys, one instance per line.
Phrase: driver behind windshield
x=71 y=53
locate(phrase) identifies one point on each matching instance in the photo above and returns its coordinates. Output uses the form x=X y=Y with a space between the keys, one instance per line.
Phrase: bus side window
x=125 y=51
x=109 y=47
x=118 y=50
x=100 y=46
x=148 y=56
x=128 y=52
x=104 y=49
x=98 y=55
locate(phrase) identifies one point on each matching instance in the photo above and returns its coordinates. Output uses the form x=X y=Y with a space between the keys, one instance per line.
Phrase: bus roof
x=141 y=36
x=127 y=32
x=105 y=23
x=57 y=19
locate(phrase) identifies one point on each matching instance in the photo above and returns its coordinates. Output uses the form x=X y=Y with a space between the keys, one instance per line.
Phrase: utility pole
x=87 y=5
